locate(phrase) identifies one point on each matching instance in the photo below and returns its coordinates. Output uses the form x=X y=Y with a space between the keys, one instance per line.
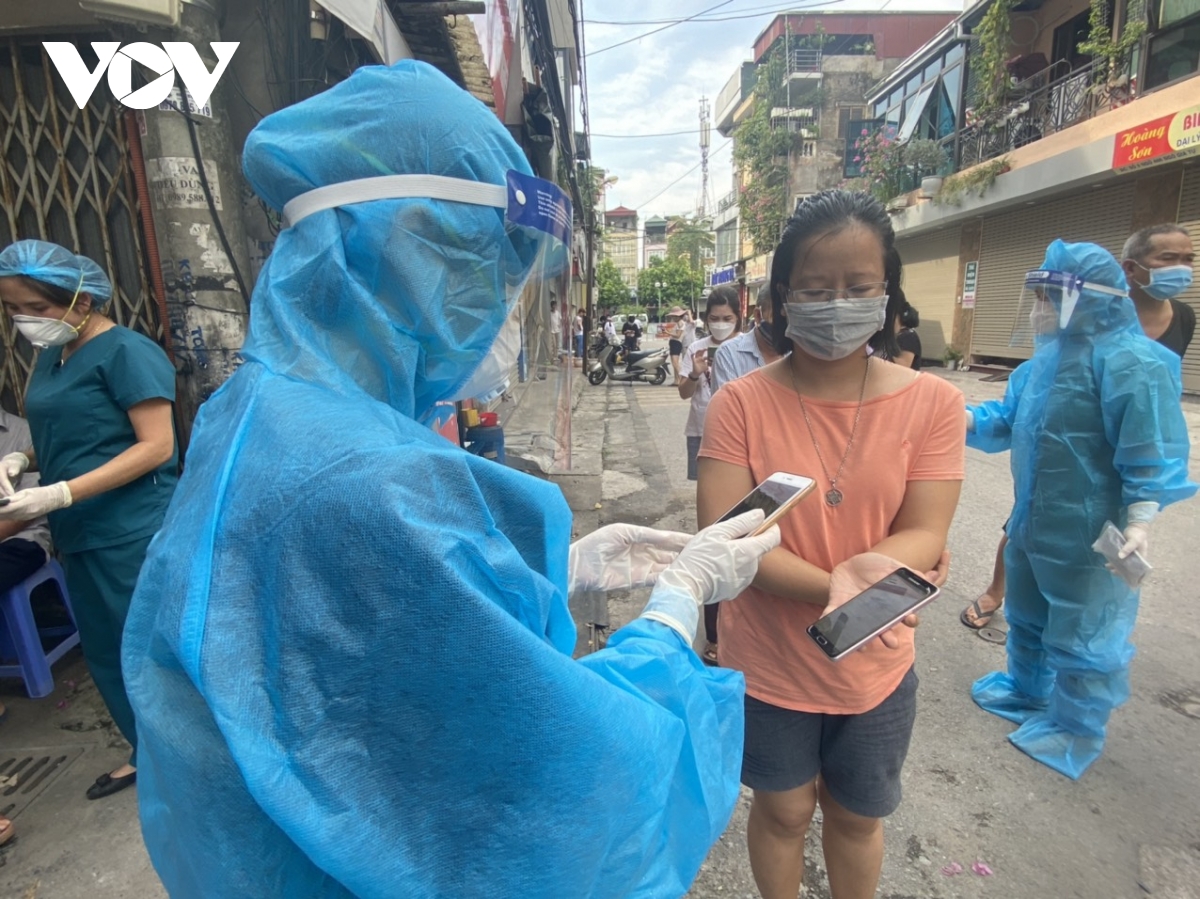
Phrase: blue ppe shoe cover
x=349 y=651
x=996 y=693
x=1047 y=741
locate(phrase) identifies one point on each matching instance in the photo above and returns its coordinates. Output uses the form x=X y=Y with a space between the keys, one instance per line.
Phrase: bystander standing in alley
x=723 y=319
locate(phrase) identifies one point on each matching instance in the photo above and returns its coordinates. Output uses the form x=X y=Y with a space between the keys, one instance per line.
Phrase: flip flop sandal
x=106 y=785
x=710 y=654
x=7 y=832
x=982 y=618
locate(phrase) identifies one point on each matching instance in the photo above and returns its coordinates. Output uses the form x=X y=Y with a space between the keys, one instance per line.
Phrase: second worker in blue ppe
x=1097 y=434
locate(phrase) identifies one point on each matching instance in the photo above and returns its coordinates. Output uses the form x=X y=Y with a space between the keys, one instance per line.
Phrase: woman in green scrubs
x=99 y=409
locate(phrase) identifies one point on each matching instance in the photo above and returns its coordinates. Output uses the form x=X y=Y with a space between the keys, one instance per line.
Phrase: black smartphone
x=712 y=354
x=881 y=606
x=5 y=500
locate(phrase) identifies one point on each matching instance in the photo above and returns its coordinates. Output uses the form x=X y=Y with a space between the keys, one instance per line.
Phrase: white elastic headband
x=394 y=187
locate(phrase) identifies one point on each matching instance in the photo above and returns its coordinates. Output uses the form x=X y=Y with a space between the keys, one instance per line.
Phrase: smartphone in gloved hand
x=882 y=605
x=776 y=496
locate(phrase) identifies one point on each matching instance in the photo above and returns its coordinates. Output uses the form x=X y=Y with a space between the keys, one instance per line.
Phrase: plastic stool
x=24 y=637
x=486 y=442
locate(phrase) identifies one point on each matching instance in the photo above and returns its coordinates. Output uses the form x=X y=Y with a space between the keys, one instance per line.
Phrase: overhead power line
x=700 y=17
x=681 y=177
x=657 y=30
x=637 y=136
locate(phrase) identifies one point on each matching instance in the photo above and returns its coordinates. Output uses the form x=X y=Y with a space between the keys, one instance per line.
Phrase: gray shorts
x=859 y=757
x=693 y=449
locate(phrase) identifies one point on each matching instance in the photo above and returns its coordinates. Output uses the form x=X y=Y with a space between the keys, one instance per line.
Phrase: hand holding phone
x=884 y=594
x=776 y=496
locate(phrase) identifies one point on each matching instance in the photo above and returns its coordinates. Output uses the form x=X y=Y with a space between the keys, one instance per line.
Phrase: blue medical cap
x=51 y=264
x=1087 y=260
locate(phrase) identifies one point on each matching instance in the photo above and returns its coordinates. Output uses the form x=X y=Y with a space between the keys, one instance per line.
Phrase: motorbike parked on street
x=642 y=365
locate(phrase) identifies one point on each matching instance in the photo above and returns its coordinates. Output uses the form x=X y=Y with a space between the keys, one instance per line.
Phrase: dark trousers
x=18 y=560
x=710 y=622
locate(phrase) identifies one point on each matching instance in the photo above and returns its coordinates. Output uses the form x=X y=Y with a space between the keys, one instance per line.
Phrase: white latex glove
x=26 y=505
x=715 y=565
x=970 y=422
x=1137 y=531
x=621 y=557
x=1137 y=540
x=12 y=467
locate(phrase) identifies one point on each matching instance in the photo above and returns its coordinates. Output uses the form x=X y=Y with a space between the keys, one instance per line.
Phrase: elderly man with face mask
x=1158 y=266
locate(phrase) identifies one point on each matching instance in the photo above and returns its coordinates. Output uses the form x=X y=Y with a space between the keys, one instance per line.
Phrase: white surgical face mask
x=836 y=328
x=491 y=378
x=721 y=330
x=47 y=332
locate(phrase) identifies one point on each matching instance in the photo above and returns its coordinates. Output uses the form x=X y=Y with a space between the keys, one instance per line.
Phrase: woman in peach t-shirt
x=885 y=445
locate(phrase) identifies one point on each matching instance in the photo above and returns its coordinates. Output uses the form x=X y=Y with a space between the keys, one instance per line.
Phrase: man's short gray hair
x=1138 y=246
x=764 y=295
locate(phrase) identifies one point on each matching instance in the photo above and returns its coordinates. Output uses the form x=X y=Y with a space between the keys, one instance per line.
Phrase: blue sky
x=654 y=85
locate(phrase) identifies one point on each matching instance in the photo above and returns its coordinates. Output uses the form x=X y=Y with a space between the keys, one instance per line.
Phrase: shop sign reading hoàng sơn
x=1164 y=139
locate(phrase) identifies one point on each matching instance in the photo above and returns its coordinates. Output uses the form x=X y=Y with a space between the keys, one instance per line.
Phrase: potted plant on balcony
x=927 y=158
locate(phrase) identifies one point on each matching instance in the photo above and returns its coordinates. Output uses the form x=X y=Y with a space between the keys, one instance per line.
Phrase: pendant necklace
x=833 y=496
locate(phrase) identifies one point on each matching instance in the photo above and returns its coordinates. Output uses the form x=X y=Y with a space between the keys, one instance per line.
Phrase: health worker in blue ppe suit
x=1097 y=434
x=350 y=649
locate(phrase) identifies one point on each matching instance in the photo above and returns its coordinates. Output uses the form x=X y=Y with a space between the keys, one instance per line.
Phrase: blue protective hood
x=51 y=264
x=1095 y=312
x=398 y=298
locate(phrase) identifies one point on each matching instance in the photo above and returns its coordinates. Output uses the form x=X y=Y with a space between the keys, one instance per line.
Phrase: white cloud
x=654 y=85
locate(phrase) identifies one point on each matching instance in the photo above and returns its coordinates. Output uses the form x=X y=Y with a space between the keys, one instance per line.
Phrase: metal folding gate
x=64 y=177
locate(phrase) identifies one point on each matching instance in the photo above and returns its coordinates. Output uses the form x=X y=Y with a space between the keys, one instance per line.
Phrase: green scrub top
x=78 y=417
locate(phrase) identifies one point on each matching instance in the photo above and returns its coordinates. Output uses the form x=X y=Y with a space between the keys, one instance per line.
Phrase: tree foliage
x=691 y=240
x=609 y=286
x=681 y=284
x=760 y=153
x=995 y=40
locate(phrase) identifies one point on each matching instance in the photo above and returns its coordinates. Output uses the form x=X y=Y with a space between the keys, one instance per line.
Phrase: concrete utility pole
x=206 y=309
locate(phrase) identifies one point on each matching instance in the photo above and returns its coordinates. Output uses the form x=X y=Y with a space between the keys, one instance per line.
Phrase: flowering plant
x=881 y=161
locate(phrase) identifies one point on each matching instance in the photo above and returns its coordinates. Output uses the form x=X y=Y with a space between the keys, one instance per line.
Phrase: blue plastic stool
x=21 y=635
x=486 y=441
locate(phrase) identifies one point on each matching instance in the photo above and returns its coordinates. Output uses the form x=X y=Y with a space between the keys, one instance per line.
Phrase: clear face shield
x=536 y=263
x=1048 y=302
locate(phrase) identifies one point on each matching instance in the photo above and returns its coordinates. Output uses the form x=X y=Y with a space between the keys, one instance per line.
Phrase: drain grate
x=25 y=773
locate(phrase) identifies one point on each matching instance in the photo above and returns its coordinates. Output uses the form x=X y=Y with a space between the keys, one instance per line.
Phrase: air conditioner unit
x=142 y=12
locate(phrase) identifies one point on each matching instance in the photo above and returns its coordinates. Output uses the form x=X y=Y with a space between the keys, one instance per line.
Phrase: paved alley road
x=969 y=795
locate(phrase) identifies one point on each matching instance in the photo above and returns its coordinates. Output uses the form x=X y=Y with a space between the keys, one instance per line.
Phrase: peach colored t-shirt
x=916 y=433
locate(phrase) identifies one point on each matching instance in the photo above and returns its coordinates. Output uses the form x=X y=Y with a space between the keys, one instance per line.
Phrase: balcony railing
x=1048 y=108
x=804 y=60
